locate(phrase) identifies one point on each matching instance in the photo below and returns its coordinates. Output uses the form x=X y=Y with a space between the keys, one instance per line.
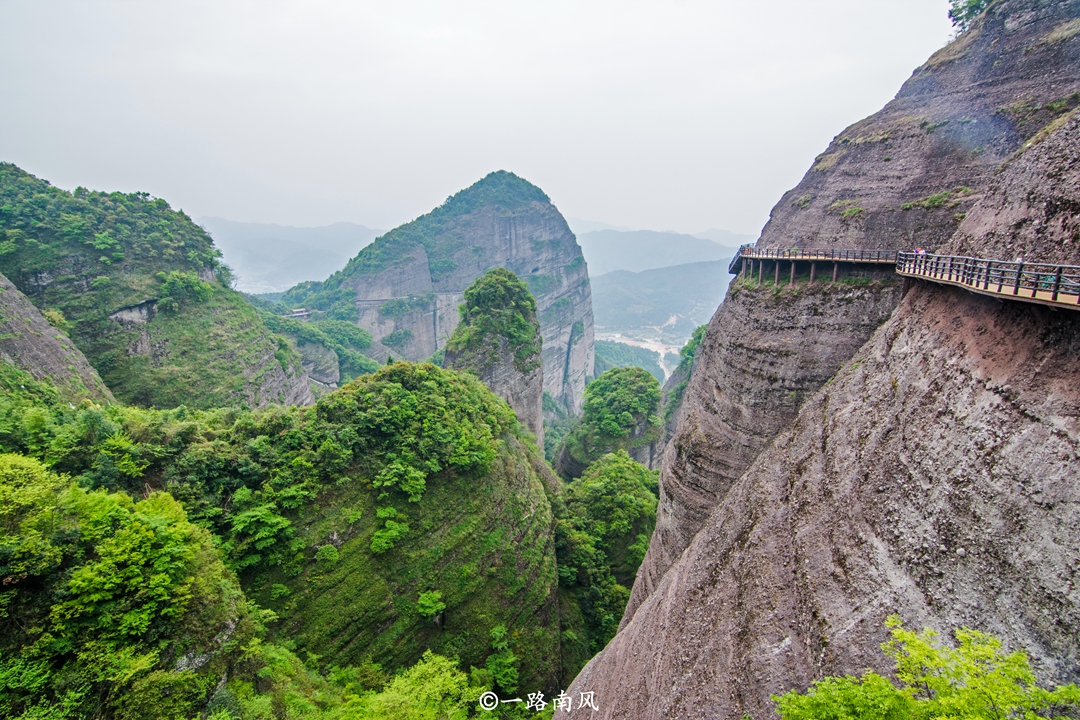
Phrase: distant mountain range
x=638 y=250
x=690 y=293
x=272 y=258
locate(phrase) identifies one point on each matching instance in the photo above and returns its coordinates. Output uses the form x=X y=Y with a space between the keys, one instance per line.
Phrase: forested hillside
x=294 y=559
x=145 y=296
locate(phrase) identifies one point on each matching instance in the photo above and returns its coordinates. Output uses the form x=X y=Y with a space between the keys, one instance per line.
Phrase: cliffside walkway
x=1053 y=285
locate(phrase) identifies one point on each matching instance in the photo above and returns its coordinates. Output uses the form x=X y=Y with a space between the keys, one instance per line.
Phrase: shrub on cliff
x=976 y=679
x=498 y=306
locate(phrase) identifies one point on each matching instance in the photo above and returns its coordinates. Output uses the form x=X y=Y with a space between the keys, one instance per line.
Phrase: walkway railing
x=748 y=252
x=1057 y=285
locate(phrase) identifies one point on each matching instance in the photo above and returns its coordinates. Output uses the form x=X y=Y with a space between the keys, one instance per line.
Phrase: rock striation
x=499 y=341
x=997 y=72
x=29 y=342
x=405 y=288
x=932 y=476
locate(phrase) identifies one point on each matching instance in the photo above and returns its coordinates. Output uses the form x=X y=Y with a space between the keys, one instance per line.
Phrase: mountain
x=147 y=300
x=272 y=258
x=687 y=294
x=725 y=237
x=637 y=250
x=847 y=451
x=405 y=288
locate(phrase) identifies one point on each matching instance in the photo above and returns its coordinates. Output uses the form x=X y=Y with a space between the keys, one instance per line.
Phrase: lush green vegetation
x=610 y=355
x=498 y=307
x=501 y=189
x=619 y=412
x=976 y=679
x=86 y=255
x=403 y=498
x=601 y=539
x=346 y=340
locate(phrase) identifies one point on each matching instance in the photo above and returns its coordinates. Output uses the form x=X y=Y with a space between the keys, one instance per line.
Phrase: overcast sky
x=666 y=115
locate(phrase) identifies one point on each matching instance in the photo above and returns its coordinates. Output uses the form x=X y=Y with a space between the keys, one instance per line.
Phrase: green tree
x=976 y=679
x=498 y=305
x=601 y=538
x=619 y=412
x=963 y=12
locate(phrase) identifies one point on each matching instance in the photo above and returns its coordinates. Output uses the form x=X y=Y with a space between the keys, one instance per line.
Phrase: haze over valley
x=320 y=400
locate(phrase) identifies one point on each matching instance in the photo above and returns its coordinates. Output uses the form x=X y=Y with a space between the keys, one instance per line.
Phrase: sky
x=668 y=115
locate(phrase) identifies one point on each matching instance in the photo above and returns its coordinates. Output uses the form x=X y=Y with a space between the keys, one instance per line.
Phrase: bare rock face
x=879 y=184
x=523 y=391
x=410 y=305
x=1032 y=208
x=29 y=342
x=935 y=478
x=766 y=350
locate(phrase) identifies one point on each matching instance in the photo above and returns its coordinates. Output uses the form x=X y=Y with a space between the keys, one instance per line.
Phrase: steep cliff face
x=498 y=340
x=29 y=342
x=1032 y=208
x=934 y=476
x=905 y=176
x=405 y=287
x=148 y=302
x=1002 y=82
x=766 y=350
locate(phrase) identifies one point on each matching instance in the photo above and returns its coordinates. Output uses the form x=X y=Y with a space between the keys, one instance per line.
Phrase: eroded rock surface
x=29 y=342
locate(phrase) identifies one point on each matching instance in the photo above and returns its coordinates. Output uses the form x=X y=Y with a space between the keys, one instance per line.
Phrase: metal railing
x=748 y=252
x=1038 y=282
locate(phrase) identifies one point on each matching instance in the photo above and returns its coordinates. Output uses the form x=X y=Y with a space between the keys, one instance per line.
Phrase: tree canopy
x=498 y=305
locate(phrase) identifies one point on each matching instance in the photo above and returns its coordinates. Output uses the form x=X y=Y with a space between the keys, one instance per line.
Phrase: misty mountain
x=725 y=237
x=625 y=300
x=638 y=250
x=272 y=258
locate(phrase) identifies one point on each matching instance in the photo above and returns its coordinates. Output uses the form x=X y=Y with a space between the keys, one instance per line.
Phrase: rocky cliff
x=498 y=340
x=933 y=476
x=405 y=287
x=147 y=300
x=905 y=176
x=29 y=342
x=764 y=349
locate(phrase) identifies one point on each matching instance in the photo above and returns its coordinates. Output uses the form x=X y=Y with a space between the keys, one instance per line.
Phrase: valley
x=497 y=462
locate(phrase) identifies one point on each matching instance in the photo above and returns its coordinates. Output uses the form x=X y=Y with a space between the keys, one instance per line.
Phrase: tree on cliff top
x=498 y=306
x=963 y=12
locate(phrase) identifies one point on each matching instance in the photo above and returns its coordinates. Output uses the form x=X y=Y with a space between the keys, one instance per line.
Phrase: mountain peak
x=501 y=188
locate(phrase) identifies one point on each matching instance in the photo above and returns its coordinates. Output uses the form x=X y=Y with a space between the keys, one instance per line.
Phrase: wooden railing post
x=1016 y=284
x=1057 y=284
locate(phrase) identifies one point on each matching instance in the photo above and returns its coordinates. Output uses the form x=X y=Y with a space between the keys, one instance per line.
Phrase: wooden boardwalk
x=1053 y=285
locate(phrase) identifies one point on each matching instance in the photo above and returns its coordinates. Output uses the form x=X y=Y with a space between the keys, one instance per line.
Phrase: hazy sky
x=674 y=115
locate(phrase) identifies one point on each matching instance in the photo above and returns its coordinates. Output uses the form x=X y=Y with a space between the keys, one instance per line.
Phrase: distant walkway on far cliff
x=1053 y=285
